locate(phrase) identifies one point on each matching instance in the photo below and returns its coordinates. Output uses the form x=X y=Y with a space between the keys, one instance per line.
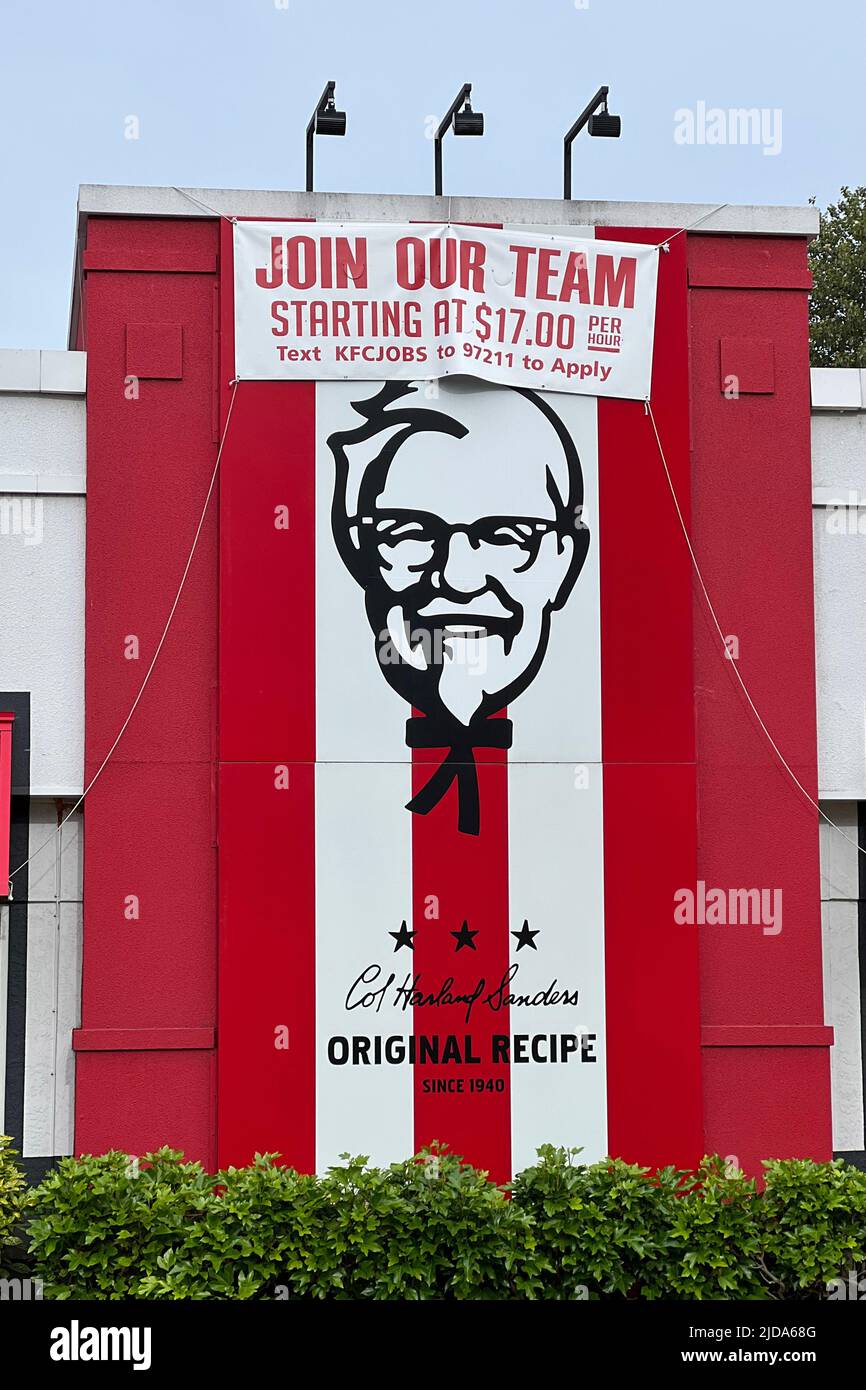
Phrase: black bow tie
x=461 y=740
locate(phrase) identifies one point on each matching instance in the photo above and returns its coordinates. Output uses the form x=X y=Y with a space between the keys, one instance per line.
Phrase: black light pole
x=465 y=122
x=325 y=120
x=602 y=124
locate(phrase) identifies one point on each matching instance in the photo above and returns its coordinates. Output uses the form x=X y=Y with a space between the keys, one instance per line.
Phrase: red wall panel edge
x=652 y=973
x=141 y=1039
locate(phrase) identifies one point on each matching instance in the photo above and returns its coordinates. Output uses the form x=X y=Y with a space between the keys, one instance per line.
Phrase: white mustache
x=443 y=607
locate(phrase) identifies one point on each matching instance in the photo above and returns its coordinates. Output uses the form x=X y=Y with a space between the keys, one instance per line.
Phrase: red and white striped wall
x=587 y=822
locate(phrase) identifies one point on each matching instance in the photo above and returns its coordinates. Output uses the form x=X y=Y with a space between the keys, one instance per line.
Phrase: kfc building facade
x=432 y=630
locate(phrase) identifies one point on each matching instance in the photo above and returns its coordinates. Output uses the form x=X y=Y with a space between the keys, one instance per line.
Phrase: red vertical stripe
x=266 y=1091
x=651 y=964
x=463 y=878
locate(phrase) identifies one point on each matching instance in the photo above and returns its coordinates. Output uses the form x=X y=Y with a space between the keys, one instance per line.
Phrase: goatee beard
x=448 y=665
x=461 y=690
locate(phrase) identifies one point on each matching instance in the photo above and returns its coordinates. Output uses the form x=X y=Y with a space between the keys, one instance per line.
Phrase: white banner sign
x=341 y=301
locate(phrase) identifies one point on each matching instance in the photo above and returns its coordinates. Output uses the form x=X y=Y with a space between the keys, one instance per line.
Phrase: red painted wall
x=766 y=1064
x=150 y=817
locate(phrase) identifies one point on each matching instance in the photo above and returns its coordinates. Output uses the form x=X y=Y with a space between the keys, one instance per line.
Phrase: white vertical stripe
x=556 y=864
x=363 y=841
x=556 y=883
x=363 y=892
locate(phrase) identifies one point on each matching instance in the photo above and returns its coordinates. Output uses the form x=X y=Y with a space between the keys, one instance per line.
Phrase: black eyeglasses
x=394 y=527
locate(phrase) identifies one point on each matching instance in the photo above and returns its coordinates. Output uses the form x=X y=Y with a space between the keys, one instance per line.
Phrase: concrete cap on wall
x=708 y=219
x=50 y=372
x=838 y=388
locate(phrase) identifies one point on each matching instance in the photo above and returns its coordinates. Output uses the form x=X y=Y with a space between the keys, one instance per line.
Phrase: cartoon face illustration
x=460 y=517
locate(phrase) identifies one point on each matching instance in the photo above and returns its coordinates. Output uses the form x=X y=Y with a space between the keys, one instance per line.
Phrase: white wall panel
x=43 y=650
x=839 y=479
x=840 y=868
x=42 y=434
x=842 y=1011
x=54 y=941
x=843 y=970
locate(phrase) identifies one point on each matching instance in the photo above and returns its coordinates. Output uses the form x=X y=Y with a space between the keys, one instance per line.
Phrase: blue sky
x=222 y=90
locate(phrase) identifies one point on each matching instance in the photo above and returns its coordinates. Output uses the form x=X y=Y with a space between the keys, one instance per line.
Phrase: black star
x=463 y=937
x=524 y=937
x=403 y=937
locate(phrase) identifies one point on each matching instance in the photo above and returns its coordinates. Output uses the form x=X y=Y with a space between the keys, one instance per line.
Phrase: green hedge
x=434 y=1227
x=12 y=1203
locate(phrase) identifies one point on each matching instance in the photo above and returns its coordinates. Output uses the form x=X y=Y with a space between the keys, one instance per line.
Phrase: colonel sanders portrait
x=460 y=516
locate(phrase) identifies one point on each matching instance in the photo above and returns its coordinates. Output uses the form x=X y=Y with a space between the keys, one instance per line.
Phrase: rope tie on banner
x=206 y=206
x=666 y=244
x=159 y=646
x=648 y=410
